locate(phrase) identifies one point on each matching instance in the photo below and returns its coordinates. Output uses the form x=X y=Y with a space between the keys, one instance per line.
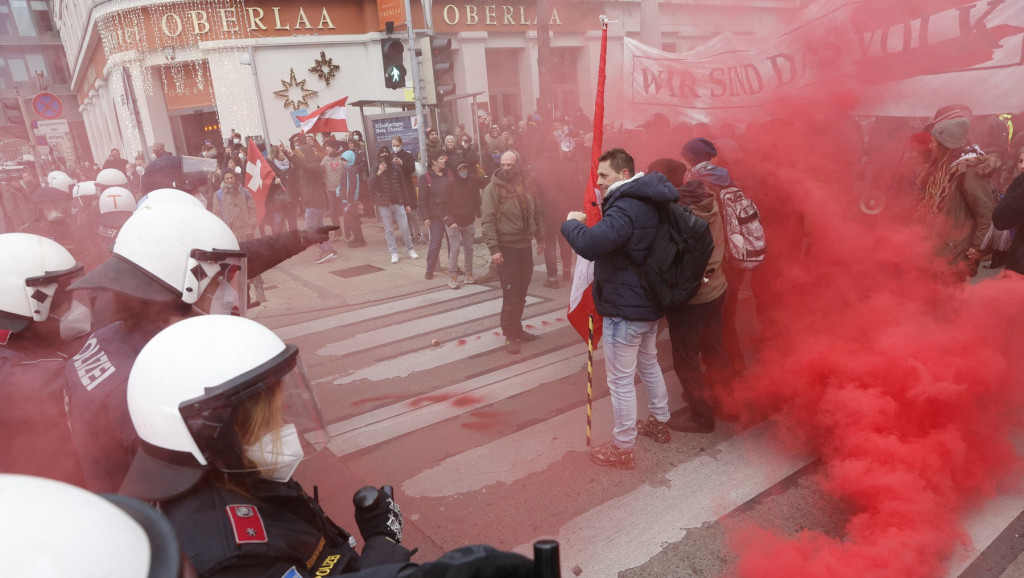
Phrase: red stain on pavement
x=465 y=400
x=461 y=342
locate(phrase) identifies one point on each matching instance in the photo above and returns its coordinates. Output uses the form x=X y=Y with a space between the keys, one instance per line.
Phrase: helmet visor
x=52 y=285
x=270 y=410
x=226 y=292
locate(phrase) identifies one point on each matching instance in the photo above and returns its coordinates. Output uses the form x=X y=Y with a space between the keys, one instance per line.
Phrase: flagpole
x=259 y=97
x=593 y=212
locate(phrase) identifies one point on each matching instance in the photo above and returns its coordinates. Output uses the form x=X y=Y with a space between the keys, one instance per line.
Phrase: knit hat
x=349 y=156
x=698 y=150
x=952 y=133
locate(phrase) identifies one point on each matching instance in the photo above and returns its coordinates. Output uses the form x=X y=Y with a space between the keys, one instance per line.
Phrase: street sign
x=47 y=106
x=53 y=127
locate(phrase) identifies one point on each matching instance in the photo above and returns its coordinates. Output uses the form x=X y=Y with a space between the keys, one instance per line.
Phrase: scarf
x=283 y=165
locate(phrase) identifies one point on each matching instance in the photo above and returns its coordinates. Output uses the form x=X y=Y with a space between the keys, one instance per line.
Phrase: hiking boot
x=610 y=455
x=413 y=254
x=470 y=279
x=512 y=346
x=325 y=257
x=552 y=284
x=690 y=422
x=654 y=429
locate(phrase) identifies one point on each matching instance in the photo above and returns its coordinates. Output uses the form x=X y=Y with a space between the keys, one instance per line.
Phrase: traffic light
x=443 y=67
x=393 y=53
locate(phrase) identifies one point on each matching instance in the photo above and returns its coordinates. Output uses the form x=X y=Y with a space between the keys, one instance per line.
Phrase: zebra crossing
x=397 y=387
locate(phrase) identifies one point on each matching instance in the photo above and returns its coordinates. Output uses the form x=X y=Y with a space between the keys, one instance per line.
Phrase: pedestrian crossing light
x=441 y=59
x=393 y=54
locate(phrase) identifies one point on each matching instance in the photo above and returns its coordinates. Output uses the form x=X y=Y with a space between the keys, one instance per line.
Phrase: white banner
x=895 y=57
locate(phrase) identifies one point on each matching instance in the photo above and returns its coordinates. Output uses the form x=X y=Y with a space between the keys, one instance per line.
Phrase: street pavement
x=486 y=447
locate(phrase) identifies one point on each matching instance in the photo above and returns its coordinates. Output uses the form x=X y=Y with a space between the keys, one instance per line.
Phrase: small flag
x=330 y=118
x=258 y=178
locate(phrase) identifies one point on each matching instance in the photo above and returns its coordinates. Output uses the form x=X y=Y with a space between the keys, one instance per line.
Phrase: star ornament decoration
x=294 y=92
x=324 y=68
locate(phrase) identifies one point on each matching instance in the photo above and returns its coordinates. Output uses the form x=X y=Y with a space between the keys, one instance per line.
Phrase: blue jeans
x=314 y=218
x=629 y=347
x=457 y=238
x=388 y=215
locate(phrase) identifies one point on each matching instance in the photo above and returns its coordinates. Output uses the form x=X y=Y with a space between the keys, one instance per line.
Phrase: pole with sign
x=417 y=97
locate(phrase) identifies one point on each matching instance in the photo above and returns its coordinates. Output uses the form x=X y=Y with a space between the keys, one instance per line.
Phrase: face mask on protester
x=509 y=173
x=396 y=148
x=277 y=454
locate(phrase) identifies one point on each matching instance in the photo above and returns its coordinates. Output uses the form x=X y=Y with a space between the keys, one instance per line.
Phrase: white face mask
x=277 y=461
x=237 y=141
x=396 y=148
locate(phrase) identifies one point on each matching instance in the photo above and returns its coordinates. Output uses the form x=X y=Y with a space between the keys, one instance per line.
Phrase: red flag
x=581 y=298
x=330 y=118
x=258 y=177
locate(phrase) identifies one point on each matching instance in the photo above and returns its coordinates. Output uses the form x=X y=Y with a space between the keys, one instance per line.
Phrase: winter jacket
x=1009 y=214
x=511 y=214
x=237 y=208
x=391 y=188
x=430 y=194
x=461 y=199
x=619 y=243
x=351 y=188
x=716 y=283
x=967 y=213
x=273 y=530
x=311 y=178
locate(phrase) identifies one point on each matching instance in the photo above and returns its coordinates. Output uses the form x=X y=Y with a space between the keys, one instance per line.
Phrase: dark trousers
x=515 y=274
x=353 y=226
x=555 y=243
x=696 y=332
x=334 y=208
x=437 y=233
x=730 y=337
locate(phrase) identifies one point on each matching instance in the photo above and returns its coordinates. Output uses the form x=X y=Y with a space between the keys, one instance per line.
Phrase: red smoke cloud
x=904 y=383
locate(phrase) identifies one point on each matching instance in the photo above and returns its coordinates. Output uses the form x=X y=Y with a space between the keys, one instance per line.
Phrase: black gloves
x=377 y=514
x=314 y=235
x=478 y=561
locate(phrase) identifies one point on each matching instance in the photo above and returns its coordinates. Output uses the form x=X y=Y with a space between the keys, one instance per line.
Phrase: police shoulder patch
x=247 y=524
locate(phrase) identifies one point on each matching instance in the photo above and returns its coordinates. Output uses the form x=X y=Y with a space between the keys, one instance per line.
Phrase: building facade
x=184 y=72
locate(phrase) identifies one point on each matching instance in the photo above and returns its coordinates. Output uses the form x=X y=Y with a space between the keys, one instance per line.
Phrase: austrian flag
x=330 y=118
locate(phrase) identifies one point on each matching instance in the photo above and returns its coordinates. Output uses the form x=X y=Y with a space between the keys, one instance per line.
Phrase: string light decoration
x=324 y=68
x=300 y=100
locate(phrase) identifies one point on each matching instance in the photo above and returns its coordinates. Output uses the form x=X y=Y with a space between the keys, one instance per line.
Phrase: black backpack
x=674 y=268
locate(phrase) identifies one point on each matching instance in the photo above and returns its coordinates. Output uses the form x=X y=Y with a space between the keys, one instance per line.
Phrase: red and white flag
x=330 y=118
x=258 y=178
x=581 y=297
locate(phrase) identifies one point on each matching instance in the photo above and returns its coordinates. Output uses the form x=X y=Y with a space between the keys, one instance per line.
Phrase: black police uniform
x=276 y=531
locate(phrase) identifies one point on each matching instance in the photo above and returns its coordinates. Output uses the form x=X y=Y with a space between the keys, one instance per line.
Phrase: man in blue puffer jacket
x=618 y=244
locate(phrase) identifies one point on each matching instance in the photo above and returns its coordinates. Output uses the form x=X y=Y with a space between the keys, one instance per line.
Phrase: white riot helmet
x=175 y=252
x=116 y=204
x=98 y=536
x=168 y=196
x=110 y=178
x=83 y=189
x=35 y=272
x=218 y=392
x=60 y=180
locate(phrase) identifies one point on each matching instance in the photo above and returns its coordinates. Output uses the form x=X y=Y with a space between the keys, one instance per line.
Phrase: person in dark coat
x=460 y=204
x=391 y=192
x=431 y=186
x=1009 y=214
x=618 y=245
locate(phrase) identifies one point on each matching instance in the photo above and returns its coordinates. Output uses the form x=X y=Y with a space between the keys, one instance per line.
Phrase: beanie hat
x=951 y=132
x=699 y=150
x=349 y=156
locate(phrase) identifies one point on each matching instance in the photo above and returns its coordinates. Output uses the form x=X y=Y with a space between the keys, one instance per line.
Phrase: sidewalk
x=358 y=276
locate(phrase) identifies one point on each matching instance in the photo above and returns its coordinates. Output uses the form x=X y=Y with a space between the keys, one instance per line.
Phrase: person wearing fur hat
x=957 y=196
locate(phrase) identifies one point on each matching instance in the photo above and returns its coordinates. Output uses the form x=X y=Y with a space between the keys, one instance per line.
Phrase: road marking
x=332 y=321
x=450 y=352
x=433 y=323
x=984 y=525
x=629 y=530
x=389 y=422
